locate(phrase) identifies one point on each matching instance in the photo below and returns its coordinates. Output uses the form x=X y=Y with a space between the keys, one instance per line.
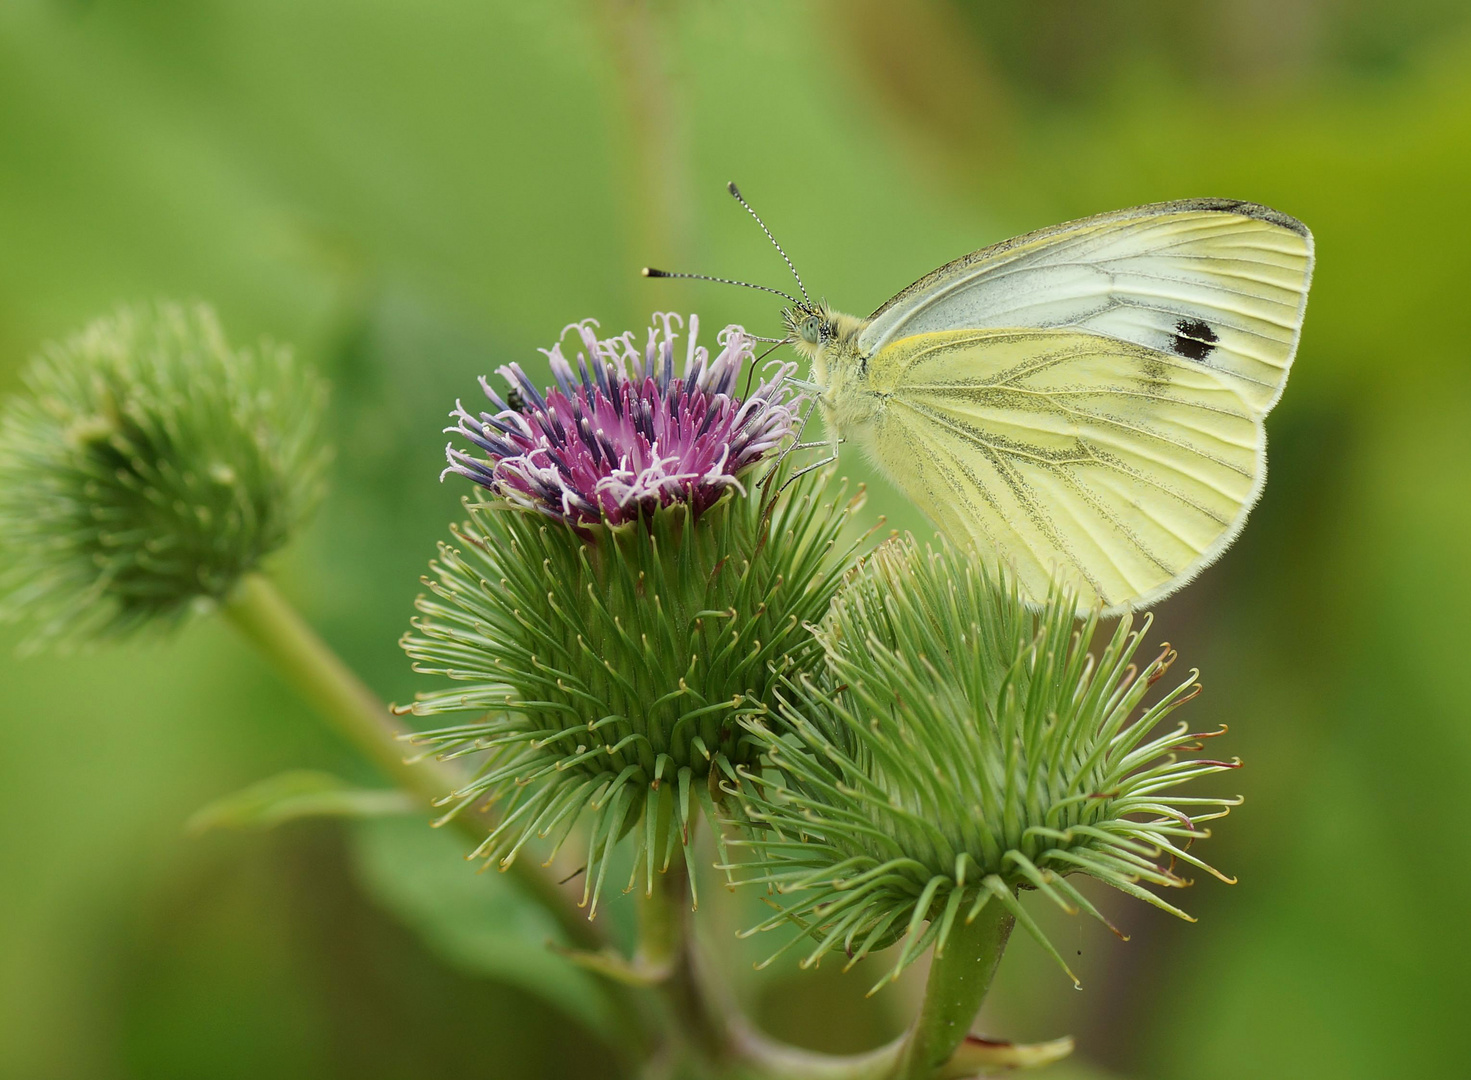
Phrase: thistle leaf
x=299 y=793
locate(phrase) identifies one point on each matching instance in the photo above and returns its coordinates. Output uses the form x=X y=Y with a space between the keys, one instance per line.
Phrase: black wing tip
x=1245 y=209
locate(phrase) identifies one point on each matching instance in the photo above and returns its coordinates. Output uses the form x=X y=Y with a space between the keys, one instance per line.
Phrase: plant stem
x=957 y=985
x=661 y=926
x=710 y=1033
x=773 y=1060
x=747 y=1052
x=264 y=616
x=667 y=936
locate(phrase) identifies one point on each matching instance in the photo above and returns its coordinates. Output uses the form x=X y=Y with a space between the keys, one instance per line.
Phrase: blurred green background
x=414 y=193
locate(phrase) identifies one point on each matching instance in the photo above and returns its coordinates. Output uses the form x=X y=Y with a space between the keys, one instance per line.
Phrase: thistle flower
x=624 y=435
x=961 y=747
x=148 y=467
x=636 y=576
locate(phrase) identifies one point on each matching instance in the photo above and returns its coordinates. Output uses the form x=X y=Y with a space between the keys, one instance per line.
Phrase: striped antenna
x=650 y=272
x=736 y=193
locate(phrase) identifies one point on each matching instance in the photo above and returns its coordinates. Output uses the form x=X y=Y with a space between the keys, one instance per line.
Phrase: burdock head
x=634 y=578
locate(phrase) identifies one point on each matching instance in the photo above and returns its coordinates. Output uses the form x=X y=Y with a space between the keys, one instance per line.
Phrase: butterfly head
x=807 y=328
x=811 y=330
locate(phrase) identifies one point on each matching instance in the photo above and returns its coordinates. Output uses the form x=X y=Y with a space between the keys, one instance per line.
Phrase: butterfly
x=1084 y=404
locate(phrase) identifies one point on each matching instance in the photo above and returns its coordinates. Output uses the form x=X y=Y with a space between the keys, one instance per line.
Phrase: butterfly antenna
x=736 y=193
x=650 y=272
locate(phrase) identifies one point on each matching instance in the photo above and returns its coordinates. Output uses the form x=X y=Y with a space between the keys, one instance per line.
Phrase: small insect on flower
x=636 y=575
x=622 y=434
x=148 y=468
x=962 y=746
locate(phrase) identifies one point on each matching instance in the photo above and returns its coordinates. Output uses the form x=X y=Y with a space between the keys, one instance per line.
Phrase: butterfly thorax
x=829 y=339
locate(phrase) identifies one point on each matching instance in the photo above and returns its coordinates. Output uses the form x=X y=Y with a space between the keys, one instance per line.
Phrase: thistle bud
x=148 y=466
x=633 y=578
x=960 y=748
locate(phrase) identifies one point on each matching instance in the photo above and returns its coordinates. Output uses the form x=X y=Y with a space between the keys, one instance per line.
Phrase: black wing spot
x=1194 y=339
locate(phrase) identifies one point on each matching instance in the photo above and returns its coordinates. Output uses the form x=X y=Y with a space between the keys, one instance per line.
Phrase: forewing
x=1123 y=469
x=1219 y=283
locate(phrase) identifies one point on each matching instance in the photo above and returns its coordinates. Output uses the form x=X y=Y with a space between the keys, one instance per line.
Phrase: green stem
x=661 y=922
x=957 y=985
x=772 y=1060
x=263 y=615
x=697 y=1029
x=713 y=1036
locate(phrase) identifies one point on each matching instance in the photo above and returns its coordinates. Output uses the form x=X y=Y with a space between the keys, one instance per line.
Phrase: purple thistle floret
x=623 y=435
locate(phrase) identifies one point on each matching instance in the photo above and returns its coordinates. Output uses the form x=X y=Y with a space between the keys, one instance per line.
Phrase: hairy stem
x=957 y=985
x=274 y=627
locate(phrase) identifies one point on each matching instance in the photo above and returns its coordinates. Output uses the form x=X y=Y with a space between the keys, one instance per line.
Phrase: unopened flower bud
x=959 y=748
x=147 y=467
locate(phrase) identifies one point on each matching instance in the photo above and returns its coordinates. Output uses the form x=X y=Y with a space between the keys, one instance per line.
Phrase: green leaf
x=480 y=923
x=983 y=1057
x=298 y=793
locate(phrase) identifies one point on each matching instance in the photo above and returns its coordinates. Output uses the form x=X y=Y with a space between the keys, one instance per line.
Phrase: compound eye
x=811 y=329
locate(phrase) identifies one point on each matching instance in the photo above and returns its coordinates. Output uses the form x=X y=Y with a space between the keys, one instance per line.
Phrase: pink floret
x=622 y=434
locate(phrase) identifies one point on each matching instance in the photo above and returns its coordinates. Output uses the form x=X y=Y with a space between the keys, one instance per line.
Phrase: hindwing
x=1121 y=468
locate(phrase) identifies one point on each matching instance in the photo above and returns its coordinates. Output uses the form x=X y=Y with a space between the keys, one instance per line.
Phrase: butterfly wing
x=1122 y=468
x=1216 y=282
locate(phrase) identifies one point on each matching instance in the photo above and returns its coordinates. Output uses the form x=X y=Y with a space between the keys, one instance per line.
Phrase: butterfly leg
x=805 y=469
x=797 y=443
x=833 y=444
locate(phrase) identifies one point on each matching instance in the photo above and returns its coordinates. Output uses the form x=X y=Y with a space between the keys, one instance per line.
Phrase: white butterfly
x=1086 y=401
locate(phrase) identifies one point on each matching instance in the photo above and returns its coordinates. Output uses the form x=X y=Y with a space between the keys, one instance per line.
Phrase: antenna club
x=649 y=271
x=731 y=187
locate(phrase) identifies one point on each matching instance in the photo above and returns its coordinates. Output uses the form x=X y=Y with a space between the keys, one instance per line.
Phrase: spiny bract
x=616 y=601
x=961 y=746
